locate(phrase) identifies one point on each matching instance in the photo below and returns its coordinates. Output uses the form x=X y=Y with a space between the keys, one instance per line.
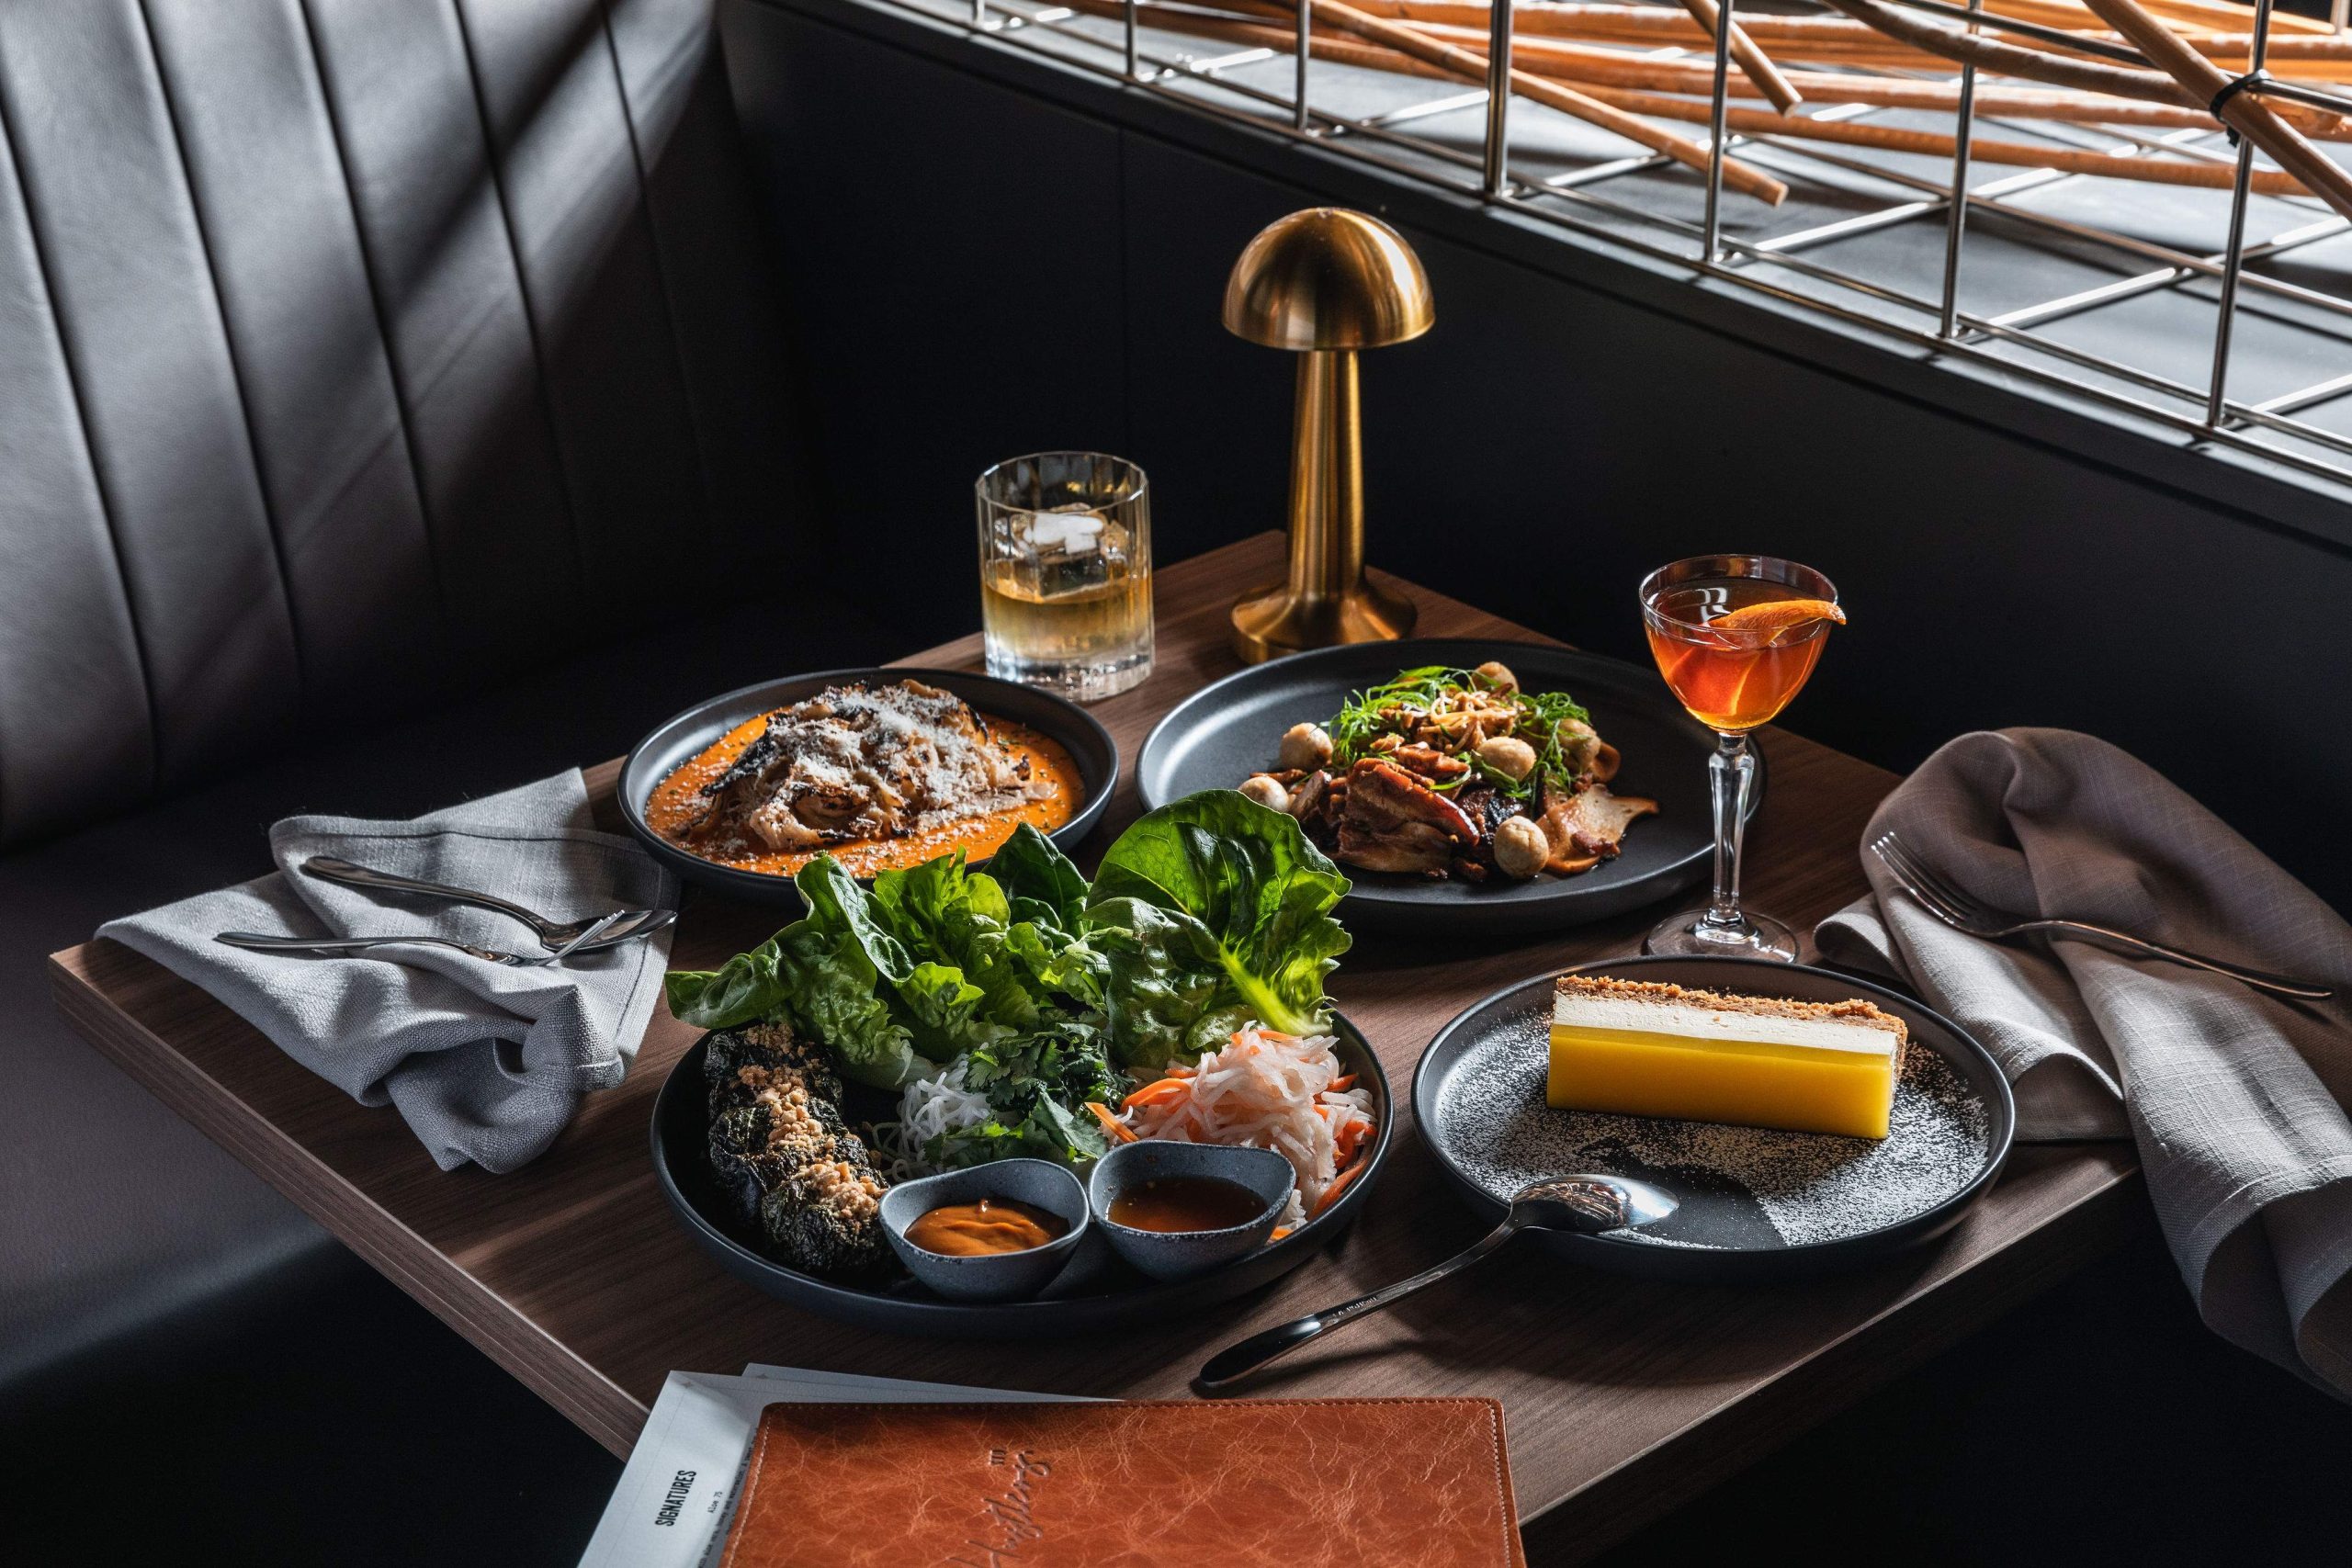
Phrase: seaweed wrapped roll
x=780 y=1147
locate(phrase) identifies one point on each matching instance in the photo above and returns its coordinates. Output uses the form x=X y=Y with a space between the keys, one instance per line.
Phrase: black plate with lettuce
x=1046 y=991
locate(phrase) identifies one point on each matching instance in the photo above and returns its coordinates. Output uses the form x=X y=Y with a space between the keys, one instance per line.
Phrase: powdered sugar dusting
x=1810 y=1187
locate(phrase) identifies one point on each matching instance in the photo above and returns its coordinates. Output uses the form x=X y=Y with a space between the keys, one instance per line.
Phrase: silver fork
x=1963 y=912
x=631 y=924
x=256 y=942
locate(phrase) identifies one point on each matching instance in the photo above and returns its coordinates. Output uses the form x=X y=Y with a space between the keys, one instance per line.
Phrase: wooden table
x=1623 y=1397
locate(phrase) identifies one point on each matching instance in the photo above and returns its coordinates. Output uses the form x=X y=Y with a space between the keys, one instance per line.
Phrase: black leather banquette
x=384 y=386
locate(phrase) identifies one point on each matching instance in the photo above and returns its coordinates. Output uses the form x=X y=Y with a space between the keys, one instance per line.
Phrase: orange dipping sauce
x=991 y=1225
x=1185 y=1204
x=676 y=805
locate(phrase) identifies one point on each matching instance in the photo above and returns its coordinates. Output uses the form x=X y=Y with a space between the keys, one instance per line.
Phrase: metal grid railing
x=2084 y=262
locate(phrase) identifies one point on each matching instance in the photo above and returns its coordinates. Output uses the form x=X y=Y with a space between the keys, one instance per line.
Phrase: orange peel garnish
x=1780 y=615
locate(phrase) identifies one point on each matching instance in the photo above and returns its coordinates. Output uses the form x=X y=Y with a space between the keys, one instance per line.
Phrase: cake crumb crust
x=1854 y=1010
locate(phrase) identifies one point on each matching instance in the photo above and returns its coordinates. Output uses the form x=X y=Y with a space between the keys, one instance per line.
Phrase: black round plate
x=1225 y=732
x=1095 y=1292
x=1722 y=1226
x=679 y=739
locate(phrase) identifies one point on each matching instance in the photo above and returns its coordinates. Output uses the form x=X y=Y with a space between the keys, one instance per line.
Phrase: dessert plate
x=1232 y=729
x=1756 y=1204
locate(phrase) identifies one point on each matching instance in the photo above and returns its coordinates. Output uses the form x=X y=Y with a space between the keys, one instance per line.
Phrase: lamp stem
x=1326 y=479
x=1324 y=597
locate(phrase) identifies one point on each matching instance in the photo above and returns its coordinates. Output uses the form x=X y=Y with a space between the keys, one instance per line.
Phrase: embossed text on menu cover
x=1253 y=1483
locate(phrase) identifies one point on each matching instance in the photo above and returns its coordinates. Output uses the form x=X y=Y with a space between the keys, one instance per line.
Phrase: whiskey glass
x=1066 y=572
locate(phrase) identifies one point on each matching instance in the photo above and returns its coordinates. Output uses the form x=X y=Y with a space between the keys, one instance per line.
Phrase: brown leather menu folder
x=1250 y=1484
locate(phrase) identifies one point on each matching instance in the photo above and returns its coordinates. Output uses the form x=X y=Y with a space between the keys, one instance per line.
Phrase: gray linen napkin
x=2236 y=1098
x=484 y=1062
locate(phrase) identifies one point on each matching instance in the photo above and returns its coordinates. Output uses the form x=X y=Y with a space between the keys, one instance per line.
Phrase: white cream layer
x=1581 y=1011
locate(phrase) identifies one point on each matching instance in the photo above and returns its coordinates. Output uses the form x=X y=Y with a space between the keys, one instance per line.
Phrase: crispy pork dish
x=858 y=762
x=787 y=1158
x=1448 y=773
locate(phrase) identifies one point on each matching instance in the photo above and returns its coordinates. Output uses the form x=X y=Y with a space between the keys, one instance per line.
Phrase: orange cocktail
x=1735 y=649
x=1736 y=637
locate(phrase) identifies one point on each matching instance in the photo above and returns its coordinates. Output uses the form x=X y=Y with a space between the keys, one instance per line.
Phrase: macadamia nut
x=1498 y=674
x=1304 y=746
x=1266 y=791
x=1520 y=848
x=1507 y=755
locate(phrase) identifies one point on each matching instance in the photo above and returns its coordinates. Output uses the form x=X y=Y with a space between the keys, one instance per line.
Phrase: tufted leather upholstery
x=354 y=354
x=347 y=347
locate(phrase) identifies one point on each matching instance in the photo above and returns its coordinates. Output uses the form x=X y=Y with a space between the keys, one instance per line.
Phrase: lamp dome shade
x=1328 y=278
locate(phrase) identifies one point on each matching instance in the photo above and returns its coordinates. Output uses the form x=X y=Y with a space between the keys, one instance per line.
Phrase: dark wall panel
x=1547 y=444
x=953 y=254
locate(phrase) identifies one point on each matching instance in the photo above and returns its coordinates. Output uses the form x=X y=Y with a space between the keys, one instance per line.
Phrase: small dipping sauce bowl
x=1178 y=1255
x=992 y=1276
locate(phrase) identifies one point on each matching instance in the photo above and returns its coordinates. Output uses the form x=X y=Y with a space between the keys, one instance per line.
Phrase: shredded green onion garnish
x=1415 y=693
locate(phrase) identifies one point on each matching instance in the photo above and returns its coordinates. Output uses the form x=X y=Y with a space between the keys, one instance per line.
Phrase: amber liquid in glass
x=1732 y=680
x=1066 y=602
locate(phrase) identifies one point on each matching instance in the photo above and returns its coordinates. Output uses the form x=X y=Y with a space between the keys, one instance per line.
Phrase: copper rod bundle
x=1929 y=143
x=2074 y=13
x=1936 y=41
x=1588 y=64
x=1569 y=17
x=1558 y=44
x=2258 y=122
x=1578 y=63
x=1472 y=66
x=1753 y=63
x=1624 y=24
x=2013 y=60
x=1828 y=39
x=1760 y=122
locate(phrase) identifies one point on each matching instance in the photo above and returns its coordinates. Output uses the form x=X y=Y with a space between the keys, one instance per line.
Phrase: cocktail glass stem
x=1722 y=927
x=1731 y=773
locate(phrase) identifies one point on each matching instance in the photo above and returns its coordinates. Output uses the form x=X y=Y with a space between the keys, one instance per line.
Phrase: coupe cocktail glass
x=1736 y=638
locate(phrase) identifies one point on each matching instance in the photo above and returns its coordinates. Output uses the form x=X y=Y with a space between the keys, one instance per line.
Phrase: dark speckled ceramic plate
x=1228 y=731
x=1910 y=1194
x=1095 y=1292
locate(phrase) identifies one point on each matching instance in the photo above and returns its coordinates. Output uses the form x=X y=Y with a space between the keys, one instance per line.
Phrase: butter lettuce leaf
x=1242 y=919
x=833 y=991
x=1039 y=880
x=928 y=965
x=824 y=982
x=956 y=923
x=1207 y=914
x=744 y=990
x=1162 y=977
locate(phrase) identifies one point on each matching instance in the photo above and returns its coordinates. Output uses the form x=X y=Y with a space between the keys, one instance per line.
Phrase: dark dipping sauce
x=1186 y=1203
x=991 y=1225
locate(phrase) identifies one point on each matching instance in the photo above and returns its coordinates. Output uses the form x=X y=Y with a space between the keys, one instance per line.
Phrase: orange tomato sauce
x=676 y=805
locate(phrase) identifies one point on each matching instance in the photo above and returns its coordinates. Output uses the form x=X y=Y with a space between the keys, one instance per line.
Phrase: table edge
x=608 y=1411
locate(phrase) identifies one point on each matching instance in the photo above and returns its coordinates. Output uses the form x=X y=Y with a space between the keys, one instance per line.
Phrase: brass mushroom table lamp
x=1324 y=283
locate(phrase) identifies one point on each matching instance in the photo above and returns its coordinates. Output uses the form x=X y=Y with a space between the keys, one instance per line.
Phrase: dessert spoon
x=612 y=930
x=1585 y=1204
